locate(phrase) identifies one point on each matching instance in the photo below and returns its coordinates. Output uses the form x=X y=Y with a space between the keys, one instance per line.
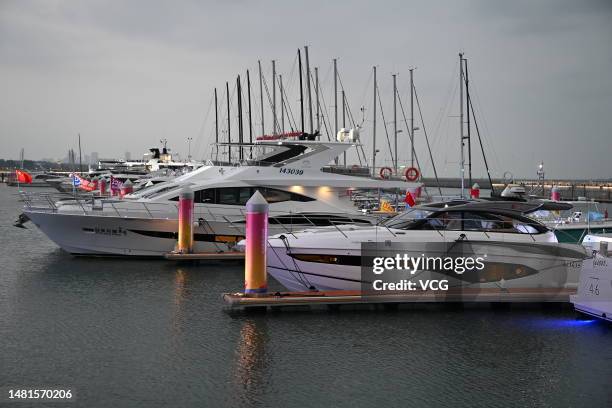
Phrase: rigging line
x=270 y=102
x=230 y=104
x=326 y=123
x=484 y=157
x=438 y=135
x=352 y=119
x=291 y=119
x=367 y=88
x=382 y=113
x=291 y=79
x=484 y=120
x=433 y=163
x=348 y=107
x=452 y=90
x=411 y=134
x=201 y=131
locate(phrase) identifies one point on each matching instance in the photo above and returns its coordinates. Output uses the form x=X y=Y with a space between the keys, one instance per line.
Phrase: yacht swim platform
x=240 y=301
x=205 y=256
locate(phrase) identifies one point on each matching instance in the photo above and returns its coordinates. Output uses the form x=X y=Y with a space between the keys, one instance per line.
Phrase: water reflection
x=251 y=360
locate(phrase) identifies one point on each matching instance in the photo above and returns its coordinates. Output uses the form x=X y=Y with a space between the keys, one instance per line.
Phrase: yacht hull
x=550 y=266
x=89 y=234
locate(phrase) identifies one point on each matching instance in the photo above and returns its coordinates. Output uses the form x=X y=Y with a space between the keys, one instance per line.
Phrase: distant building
x=128 y=156
x=93 y=158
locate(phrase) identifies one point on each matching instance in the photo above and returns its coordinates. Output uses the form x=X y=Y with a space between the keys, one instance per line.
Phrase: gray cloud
x=125 y=74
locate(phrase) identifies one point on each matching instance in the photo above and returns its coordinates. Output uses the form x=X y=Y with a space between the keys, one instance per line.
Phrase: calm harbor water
x=150 y=333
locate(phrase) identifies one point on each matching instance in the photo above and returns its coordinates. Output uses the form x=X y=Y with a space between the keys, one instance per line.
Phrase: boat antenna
x=301 y=90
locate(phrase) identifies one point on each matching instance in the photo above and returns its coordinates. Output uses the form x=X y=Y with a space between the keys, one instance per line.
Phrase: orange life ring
x=385 y=170
x=412 y=174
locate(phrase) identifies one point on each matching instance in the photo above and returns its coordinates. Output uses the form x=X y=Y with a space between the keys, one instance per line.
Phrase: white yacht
x=519 y=252
x=290 y=175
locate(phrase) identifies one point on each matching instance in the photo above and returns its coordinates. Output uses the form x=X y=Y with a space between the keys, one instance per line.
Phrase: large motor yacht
x=518 y=251
x=289 y=173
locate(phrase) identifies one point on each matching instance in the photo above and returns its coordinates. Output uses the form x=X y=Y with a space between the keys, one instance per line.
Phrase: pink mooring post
x=555 y=194
x=185 y=221
x=255 y=274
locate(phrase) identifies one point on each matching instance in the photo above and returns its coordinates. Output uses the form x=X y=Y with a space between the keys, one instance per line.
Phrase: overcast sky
x=126 y=74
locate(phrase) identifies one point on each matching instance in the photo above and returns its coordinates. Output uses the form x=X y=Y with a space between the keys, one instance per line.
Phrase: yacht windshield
x=407 y=218
x=157 y=189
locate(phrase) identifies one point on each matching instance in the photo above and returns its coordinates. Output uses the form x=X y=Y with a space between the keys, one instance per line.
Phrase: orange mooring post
x=255 y=274
x=185 y=221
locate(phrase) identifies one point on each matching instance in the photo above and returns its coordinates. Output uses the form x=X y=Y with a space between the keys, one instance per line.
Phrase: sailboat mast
x=216 y=127
x=301 y=90
x=240 y=134
x=462 y=162
x=317 y=98
x=216 y=118
x=335 y=101
x=282 y=102
x=308 y=87
x=374 y=128
x=335 y=96
x=344 y=123
x=229 y=134
x=469 y=136
x=274 y=120
x=411 y=133
x=80 y=157
x=263 y=130
x=249 y=96
x=395 y=119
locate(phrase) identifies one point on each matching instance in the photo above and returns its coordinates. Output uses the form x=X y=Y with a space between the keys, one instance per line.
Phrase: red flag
x=409 y=200
x=23 y=177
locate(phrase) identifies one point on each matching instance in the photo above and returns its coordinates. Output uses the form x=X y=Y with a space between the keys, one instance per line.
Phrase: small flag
x=23 y=177
x=409 y=200
x=385 y=206
x=115 y=184
x=76 y=181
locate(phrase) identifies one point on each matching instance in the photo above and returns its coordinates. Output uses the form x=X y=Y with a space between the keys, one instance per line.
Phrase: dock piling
x=185 y=221
x=255 y=273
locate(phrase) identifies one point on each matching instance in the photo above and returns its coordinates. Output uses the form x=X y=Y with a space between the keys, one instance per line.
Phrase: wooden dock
x=342 y=297
x=205 y=256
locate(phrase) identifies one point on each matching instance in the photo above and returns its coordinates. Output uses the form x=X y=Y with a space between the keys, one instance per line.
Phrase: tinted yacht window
x=240 y=195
